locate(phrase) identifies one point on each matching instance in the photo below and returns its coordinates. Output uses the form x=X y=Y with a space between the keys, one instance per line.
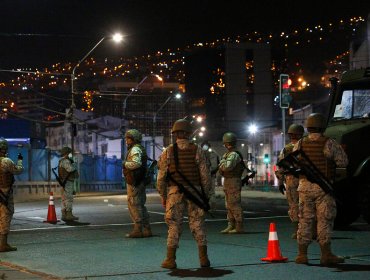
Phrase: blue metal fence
x=38 y=163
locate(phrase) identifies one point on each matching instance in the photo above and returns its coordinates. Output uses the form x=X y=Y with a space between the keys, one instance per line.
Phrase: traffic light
x=284 y=91
x=266 y=159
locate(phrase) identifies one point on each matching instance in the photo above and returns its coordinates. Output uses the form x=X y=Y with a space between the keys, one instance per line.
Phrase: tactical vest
x=6 y=179
x=236 y=172
x=63 y=173
x=137 y=175
x=314 y=151
x=187 y=165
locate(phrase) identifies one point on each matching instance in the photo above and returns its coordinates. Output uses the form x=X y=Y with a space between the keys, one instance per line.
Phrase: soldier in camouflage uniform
x=295 y=133
x=7 y=171
x=192 y=164
x=213 y=161
x=326 y=154
x=134 y=168
x=231 y=168
x=67 y=171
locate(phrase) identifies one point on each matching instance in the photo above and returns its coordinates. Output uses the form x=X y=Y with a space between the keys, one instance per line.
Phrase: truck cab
x=349 y=125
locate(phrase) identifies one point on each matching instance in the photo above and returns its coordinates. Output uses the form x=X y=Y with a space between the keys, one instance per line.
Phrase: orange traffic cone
x=273 y=247
x=52 y=216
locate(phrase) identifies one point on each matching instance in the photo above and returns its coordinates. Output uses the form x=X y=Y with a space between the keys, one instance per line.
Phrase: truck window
x=354 y=104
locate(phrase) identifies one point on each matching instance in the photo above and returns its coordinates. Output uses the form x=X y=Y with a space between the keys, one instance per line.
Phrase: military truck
x=349 y=125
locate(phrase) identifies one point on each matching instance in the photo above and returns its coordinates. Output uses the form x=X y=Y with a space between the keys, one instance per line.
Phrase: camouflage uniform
x=177 y=203
x=231 y=163
x=213 y=161
x=291 y=184
x=136 y=195
x=7 y=170
x=65 y=167
x=313 y=201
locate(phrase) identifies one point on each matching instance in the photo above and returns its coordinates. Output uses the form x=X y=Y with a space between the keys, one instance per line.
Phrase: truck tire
x=348 y=209
x=364 y=199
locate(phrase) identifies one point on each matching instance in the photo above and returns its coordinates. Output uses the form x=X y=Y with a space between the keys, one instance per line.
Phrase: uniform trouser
x=292 y=196
x=176 y=205
x=232 y=189
x=315 y=204
x=136 y=198
x=67 y=196
x=6 y=215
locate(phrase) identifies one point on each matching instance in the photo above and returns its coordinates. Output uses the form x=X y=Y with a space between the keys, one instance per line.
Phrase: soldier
x=67 y=172
x=231 y=168
x=213 y=160
x=295 y=133
x=183 y=165
x=325 y=153
x=134 y=169
x=7 y=171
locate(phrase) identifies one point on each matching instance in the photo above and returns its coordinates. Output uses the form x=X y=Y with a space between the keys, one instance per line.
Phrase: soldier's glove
x=282 y=189
x=20 y=157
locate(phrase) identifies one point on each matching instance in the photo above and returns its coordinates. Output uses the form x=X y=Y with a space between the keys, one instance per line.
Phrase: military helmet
x=316 y=120
x=65 y=151
x=296 y=129
x=134 y=134
x=181 y=125
x=229 y=137
x=3 y=144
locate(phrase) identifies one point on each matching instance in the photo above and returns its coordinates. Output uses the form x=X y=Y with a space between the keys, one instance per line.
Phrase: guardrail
x=32 y=190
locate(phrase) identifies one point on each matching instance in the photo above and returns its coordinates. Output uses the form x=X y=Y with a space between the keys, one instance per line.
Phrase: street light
x=124 y=106
x=177 y=96
x=117 y=38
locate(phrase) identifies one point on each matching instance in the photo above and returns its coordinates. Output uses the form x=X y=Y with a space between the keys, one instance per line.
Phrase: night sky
x=42 y=32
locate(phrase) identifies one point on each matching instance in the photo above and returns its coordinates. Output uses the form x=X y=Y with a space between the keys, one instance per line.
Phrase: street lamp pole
x=73 y=105
x=117 y=37
x=178 y=96
x=124 y=106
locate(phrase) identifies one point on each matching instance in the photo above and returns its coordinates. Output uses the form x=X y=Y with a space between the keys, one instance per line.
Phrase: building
x=360 y=48
x=231 y=86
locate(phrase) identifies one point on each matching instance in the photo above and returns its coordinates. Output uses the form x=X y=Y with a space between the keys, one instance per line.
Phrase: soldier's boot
x=203 y=256
x=147 y=231
x=70 y=216
x=170 y=261
x=302 y=254
x=238 y=229
x=295 y=226
x=327 y=257
x=136 y=232
x=228 y=229
x=4 y=246
x=64 y=214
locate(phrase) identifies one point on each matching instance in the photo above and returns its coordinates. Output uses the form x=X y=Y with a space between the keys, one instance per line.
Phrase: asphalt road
x=95 y=247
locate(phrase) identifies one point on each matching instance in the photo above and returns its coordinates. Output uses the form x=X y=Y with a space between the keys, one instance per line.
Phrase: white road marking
x=126 y=224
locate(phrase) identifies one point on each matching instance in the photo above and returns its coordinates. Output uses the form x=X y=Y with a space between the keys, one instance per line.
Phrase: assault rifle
x=251 y=175
x=297 y=163
x=61 y=183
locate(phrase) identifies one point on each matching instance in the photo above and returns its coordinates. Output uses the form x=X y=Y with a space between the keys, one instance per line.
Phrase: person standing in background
x=7 y=171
